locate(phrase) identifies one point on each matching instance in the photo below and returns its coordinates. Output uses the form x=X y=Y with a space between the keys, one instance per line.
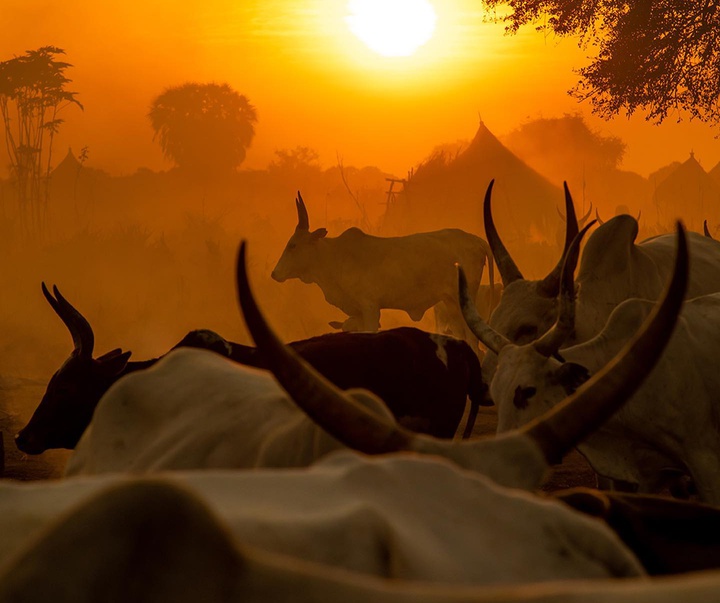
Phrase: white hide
x=395 y=516
x=612 y=269
x=672 y=421
x=197 y=410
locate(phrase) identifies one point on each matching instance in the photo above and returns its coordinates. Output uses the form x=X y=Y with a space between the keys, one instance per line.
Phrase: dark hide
x=668 y=536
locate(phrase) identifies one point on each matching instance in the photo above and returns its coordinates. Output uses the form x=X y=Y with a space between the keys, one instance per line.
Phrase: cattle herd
x=344 y=467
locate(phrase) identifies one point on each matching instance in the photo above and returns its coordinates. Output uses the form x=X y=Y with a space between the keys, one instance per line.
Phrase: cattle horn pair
x=77 y=324
x=548 y=344
x=555 y=433
x=509 y=272
x=582 y=220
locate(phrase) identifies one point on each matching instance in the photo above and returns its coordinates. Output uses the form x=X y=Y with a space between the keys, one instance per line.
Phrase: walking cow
x=362 y=274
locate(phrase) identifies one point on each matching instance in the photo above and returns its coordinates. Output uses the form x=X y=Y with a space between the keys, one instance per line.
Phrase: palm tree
x=203 y=128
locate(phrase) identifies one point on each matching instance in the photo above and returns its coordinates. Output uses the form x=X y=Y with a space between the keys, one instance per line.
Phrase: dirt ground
x=19 y=396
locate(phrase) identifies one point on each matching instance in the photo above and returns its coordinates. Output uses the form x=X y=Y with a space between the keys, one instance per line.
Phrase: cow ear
x=571 y=376
x=113 y=362
x=319 y=233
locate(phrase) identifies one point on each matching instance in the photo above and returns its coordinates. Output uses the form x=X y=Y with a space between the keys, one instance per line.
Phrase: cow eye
x=522 y=395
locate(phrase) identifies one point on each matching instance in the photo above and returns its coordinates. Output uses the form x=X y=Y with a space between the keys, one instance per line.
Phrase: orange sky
x=312 y=82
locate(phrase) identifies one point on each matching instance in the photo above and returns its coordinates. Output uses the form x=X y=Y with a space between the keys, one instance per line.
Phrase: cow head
x=527 y=308
x=74 y=390
x=533 y=378
x=518 y=458
x=299 y=256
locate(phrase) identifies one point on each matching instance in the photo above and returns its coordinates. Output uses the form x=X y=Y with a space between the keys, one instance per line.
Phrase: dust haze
x=148 y=256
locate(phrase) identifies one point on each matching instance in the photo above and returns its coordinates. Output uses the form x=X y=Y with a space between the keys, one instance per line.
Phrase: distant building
x=690 y=193
x=447 y=190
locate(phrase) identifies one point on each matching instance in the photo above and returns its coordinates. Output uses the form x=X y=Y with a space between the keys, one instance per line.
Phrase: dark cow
x=76 y=387
x=668 y=536
x=362 y=274
x=424 y=378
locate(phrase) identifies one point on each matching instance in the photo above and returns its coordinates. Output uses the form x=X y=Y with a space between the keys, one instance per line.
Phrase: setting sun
x=392 y=28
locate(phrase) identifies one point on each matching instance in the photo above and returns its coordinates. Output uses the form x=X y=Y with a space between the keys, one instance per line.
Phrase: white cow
x=195 y=409
x=186 y=539
x=669 y=426
x=362 y=274
x=613 y=268
x=395 y=516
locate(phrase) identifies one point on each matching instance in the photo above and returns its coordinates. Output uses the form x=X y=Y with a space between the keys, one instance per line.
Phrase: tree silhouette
x=660 y=56
x=32 y=93
x=204 y=128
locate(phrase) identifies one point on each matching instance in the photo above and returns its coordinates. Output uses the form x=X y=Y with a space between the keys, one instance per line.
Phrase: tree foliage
x=658 y=56
x=566 y=141
x=203 y=128
x=32 y=94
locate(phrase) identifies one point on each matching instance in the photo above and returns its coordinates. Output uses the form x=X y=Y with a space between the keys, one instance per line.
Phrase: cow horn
x=578 y=416
x=508 y=270
x=77 y=324
x=598 y=218
x=552 y=341
x=706 y=230
x=489 y=337
x=550 y=285
x=584 y=219
x=330 y=407
x=303 y=219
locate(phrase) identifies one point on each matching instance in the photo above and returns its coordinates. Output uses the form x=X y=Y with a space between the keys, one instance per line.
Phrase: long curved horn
x=489 y=337
x=598 y=218
x=330 y=407
x=303 y=219
x=508 y=270
x=706 y=230
x=77 y=324
x=550 y=285
x=552 y=341
x=578 y=416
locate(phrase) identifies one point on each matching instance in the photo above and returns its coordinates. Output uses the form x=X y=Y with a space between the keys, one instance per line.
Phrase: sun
x=392 y=28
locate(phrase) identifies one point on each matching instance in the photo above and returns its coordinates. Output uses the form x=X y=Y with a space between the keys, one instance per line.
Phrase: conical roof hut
x=690 y=193
x=448 y=192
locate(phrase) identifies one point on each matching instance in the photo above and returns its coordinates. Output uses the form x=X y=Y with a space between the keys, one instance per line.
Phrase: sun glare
x=392 y=28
